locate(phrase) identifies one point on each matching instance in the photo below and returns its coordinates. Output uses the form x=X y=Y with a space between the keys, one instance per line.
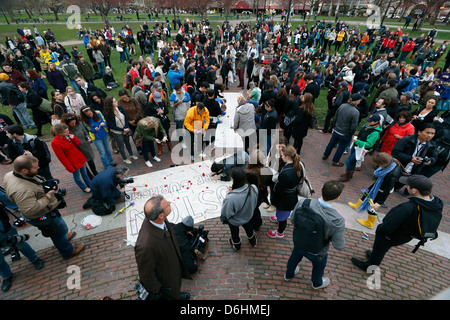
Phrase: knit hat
x=4 y=77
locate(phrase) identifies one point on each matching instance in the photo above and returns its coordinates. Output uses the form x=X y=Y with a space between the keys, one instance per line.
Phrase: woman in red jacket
x=65 y=145
x=401 y=128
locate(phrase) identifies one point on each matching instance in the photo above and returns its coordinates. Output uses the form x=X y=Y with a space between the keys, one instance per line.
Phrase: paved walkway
x=108 y=268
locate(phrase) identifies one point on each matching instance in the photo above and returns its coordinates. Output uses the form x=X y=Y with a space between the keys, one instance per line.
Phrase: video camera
x=11 y=245
x=123 y=182
x=199 y=242
x=60 y=193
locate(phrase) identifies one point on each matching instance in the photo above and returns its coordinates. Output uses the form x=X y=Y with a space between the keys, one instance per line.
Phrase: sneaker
x=192 y=159
x=149 y=164
x=134 y=157
x=156 y=159
x=325 y=283
x=275 y=234
x=273 y=219
x=127 y=161
x=297 y=269
x=38 y=264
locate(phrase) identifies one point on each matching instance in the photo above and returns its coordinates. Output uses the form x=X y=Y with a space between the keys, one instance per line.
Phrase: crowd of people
x=370 y=79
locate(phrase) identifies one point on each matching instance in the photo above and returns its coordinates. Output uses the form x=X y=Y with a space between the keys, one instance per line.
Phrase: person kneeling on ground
x=221 y=169
x=104 y=190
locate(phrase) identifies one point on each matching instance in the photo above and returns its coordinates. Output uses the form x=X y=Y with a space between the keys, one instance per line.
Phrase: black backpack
x=309 y=229
x=428 y=223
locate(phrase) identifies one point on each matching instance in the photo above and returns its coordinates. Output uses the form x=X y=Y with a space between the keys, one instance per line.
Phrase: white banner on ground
x=189 y=188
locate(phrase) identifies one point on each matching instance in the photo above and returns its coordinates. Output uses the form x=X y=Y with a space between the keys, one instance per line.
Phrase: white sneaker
x=325 y=283
x=156 y=159
x=134 y=157
x=127 y=161
x=297 y=269
x=149 y=164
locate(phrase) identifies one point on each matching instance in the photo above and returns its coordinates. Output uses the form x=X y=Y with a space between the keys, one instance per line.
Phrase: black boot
x=235 y=246
x=360 y=264
x=253 y=239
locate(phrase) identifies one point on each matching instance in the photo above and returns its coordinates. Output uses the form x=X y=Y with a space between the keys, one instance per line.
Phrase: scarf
x=380 y=173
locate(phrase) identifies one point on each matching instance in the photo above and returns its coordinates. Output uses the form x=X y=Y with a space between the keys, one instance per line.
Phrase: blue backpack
x=413 y=84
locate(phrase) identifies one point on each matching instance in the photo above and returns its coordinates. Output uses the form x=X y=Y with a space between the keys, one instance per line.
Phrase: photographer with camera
x=415 y=152
x=11 y=240
x=39 y=201
x=104 y=189
x=192 y=242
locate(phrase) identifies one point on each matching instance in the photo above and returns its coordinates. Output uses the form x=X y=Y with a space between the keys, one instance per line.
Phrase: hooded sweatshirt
x=244 y=120
x=238 y=205
x=334 y=224
x=401 y=221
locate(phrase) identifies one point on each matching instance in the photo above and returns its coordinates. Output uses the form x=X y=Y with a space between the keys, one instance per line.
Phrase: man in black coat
x=311 y=86
x=412 y=151
x=400 y=225
x=86 y=89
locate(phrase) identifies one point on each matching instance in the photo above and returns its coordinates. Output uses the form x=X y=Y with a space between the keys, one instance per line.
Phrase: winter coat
x=244 y=120
x=68 y=152
x=389 y=140
x=239 y=204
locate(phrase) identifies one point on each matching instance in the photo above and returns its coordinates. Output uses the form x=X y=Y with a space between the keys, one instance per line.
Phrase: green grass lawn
x=62 y=34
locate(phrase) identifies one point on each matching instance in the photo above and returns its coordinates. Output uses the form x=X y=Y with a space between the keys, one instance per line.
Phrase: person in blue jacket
x=104 y=186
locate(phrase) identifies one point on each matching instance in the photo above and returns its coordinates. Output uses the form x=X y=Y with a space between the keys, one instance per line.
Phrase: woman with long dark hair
x=118 y=125
x=302 y=119
x=96 y=125
x=284 y=196
x=238 y=207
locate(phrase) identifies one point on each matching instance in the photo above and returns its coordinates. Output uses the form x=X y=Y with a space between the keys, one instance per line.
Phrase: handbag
x=119 y=48
x=304 y=187
x=138 y=139
x=45 y=106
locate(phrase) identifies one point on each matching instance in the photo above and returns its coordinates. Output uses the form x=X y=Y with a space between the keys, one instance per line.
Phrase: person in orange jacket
x=197 y=122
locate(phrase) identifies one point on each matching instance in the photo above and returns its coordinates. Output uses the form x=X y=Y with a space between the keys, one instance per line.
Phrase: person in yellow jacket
x=339 y=39
x=197 y=122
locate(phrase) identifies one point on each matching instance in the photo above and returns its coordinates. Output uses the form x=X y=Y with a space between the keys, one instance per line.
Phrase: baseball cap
x=374 y=117
x=343 y=84
x=417 y=181
x=356 y=96
x=157 y=96
x=157 y=85
x=266 y=62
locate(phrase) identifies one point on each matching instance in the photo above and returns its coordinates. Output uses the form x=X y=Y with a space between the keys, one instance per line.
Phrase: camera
x=123 y=182
x=12 y=242
x=52 y=184
x=199 y=242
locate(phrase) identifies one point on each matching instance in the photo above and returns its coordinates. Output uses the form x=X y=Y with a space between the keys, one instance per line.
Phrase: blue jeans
x=342 y=141
x=5 y=200
x=104 y=151
x=59 y=236
x=77 y=178
x=24 y=116
x=351 y=160
x=101 y=67
x=74 y=85
x=319 y=264
x=24 y=247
